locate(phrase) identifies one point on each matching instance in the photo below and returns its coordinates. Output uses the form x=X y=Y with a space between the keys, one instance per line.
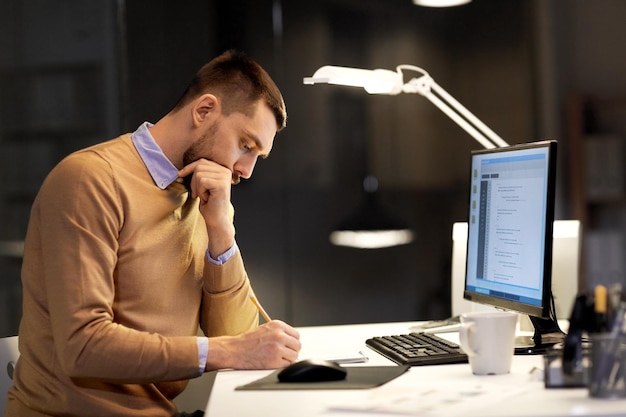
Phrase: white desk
x=520 y=393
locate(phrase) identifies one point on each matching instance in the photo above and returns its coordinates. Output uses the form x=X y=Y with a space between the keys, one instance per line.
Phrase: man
x=131 y=246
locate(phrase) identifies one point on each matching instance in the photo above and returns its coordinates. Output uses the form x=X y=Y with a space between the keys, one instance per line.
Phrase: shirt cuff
x=224 y=257
x=203 y=352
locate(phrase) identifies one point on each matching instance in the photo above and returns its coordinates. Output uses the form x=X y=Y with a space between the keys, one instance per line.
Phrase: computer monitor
x=509 y=245
x=566 y=254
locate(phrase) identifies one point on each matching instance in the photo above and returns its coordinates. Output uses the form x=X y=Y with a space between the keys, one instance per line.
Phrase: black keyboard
x=417 y=349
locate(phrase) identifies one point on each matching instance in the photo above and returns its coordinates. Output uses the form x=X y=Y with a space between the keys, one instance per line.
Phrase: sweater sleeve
x=226 y=305
x=79 y=216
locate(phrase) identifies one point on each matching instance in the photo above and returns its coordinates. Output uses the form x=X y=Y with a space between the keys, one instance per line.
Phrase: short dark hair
x=239 y=82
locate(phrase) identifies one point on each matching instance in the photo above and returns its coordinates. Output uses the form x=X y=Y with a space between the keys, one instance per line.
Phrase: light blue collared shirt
x=164 y=173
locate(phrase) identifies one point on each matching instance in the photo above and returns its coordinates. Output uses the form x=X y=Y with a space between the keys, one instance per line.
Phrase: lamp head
x=378 y=81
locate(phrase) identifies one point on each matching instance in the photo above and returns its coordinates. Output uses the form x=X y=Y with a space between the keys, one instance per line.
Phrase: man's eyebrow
x=258 y=144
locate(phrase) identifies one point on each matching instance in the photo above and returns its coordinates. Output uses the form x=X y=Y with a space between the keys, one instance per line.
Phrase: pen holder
x=607 y=373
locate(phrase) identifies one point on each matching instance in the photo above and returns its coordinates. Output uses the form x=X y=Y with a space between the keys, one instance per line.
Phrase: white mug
x=488 y=339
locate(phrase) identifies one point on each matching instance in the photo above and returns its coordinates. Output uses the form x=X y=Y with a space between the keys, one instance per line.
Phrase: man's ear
x=204 y=107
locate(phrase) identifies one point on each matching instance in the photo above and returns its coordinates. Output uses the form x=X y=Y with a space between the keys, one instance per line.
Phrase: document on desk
x=345 y=358
x=452 y=399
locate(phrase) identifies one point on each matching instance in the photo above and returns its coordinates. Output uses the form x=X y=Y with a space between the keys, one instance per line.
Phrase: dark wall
x=162 y=44
x=73 y=73
x=335 y=137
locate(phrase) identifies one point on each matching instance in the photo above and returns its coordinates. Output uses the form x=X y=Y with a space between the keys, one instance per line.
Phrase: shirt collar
x=163 y=172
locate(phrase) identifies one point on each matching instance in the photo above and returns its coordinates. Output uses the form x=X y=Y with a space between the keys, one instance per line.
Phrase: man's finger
x=188 y=169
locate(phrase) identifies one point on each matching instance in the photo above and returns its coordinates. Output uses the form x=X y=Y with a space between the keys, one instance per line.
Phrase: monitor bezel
x=544 y=310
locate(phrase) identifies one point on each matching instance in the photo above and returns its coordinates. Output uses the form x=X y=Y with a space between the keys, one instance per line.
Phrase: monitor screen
x=511 y=215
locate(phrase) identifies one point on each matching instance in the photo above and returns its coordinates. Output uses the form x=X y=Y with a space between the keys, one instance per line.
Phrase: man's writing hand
x=270 y=346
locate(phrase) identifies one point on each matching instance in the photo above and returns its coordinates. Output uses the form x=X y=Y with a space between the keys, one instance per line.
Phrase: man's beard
x=193 y=153
x=206 y=141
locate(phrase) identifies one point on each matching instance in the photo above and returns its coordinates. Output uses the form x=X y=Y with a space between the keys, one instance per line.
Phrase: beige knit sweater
x=115 y=284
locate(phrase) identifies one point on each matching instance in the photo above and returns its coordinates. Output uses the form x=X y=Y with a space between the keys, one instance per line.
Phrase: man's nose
x=245 y=168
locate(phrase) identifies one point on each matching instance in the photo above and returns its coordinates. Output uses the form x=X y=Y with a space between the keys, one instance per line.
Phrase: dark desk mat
x=359 y=377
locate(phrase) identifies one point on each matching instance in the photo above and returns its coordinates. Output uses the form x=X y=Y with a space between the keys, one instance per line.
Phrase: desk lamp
x=381 y=81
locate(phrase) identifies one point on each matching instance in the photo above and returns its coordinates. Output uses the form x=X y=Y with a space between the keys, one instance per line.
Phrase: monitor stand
x=547 y=334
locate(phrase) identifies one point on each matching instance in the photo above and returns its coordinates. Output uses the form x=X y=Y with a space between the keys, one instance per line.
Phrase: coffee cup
x=488 y=339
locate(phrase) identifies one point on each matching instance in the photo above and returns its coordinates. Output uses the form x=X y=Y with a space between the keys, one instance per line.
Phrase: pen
x=614 y=298
x=600 y=309
x=259 y=307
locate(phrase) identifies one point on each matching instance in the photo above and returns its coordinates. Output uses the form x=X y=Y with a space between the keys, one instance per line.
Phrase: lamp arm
x=480 y=138
x=425 y=85
x=468 y=115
